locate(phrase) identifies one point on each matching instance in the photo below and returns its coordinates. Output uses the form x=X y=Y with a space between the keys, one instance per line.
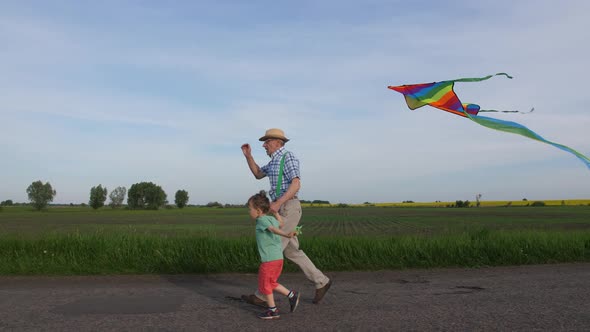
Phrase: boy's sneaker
x=294 y=301
x=269 y=314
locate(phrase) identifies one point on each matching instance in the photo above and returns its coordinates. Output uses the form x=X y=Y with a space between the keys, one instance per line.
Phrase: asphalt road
x=523 y=298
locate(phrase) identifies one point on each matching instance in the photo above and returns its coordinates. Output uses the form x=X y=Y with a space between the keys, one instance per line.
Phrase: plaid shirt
x=290 y=171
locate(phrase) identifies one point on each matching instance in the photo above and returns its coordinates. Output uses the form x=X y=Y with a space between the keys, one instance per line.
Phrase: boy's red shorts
x=268 y=276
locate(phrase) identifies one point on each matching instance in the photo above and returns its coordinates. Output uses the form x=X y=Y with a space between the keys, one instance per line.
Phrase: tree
x=477 y=197
x=7 y=202
x=98 y=195
x=40 y=194
x=117 y=196
x=181 y=198
x=146 y=195
x=462 y=204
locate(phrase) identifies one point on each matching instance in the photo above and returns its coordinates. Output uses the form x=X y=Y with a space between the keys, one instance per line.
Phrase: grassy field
x=76 y=240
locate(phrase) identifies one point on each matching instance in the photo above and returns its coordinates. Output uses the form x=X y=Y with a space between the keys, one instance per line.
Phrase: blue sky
x=120 y=92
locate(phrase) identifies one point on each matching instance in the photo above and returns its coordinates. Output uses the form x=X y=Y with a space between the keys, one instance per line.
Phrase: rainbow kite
x=441 y=95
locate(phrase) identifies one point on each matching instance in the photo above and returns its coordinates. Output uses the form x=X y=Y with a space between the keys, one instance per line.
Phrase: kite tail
x=479 y=79
x=532 y=109
x=515 y=128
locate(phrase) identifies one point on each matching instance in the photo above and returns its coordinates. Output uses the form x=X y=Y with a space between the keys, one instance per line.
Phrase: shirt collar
x=277 y=153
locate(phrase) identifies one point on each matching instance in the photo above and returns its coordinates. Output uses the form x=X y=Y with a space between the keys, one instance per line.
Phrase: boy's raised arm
x=279 y=218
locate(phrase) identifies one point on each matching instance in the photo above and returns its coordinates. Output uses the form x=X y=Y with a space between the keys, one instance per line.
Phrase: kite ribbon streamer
x=531 y=111
x=442 y=96
x=515 y=128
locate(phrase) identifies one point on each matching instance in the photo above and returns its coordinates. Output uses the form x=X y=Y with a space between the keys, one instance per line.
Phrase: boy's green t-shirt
x=269 y=243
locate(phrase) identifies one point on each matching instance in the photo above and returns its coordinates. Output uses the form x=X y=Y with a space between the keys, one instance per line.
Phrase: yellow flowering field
x=554 y=202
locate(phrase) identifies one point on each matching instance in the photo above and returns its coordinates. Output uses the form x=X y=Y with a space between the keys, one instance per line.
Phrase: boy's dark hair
x=260 y=201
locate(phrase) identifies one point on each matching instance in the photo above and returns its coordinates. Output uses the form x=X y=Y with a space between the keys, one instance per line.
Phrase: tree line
x=143 y=195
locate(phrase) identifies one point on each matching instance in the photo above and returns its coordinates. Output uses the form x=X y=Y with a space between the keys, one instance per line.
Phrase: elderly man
x=285 y=182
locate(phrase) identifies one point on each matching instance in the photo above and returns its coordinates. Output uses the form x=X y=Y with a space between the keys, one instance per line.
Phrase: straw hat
x=274 y=133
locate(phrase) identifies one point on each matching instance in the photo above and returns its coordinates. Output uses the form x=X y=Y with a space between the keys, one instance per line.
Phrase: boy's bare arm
x=280 y=232
x=279 y=219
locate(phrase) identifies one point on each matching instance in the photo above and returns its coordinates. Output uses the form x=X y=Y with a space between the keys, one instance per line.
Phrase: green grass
x=72 y=254
x=103 y=253
x=74 y=241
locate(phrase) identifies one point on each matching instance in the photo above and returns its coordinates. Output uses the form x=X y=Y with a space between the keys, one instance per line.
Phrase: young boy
x=271 y=254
